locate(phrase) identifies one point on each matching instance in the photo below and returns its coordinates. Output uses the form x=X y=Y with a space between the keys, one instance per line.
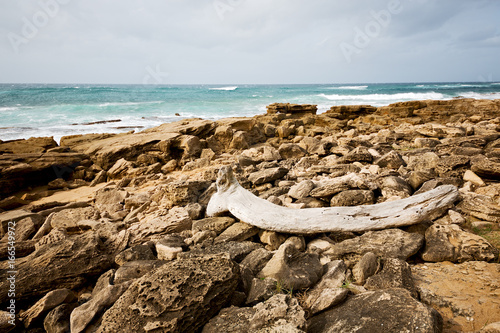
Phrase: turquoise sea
x=28 y=110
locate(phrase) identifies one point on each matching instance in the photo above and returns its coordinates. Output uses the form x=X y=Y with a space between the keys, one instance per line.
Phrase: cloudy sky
x=249 y=41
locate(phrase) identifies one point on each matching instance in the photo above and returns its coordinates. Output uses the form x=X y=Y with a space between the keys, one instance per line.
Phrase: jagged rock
x=417 y=178
x=260 y=290
x=291 y=108
x=335 y=170
x=267 y=175
x=111 y=200
x=391 y=160
x=390 y=310
x=485 y=167
x=45 y=304
x=168 y=247
x=25 y=228
x=470 y=176
x=481 y=206
x=67 y=263
x=465 y=294
x=216 y=224
x=238 y=231
x=102 y=298
x=272 y=239
x=280 y=313
x=450 y=243
x=328 y=292
x=353 y=198
x=293 y=269
x=25 y=146
x=426 y=142
x=256 y=260
x=180 y=296
x=393 y=186
x=301 y=190
x=491 y=328
x=58 y=320
x=395 y=273
x=313 y=146
x=359 y=154
x=181 y=193
x=365 y=267
x=389 y=243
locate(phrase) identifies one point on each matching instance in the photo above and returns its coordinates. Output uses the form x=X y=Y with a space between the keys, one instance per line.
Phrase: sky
x=249 y=41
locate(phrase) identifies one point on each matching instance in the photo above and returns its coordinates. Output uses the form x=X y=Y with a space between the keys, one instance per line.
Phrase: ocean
x=35 y=110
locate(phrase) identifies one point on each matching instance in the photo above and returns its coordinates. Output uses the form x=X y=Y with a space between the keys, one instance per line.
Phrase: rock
x=365 y=267
x=120 y=169
x=57 y=184
x=426 y=142
x=450 y=243
x=261 y=290
x=328 y=292
x=176 y=220
x=313 y=146
x=417 y=178
x=280 y=313
x=131 y=270
x=182 y=193
x=180 y=296
x=301 y=190
x=272 y=239
x=68 y=219
x=359 y=154
x=353 y=198
x=45 y=304
x=395 y=273
x=291 y=108
x=485 y=167
x=293 y=269
x=465 y=294
x=391 y=160
x=58 y=320
x=481 y=206
x=391 y=310
x=393 y=186
x=216 y=224
x=470 y=176
x=67 y=263
x=101 y=177
x=26 y=146
x=111 y=200
x=238 y=231
x=256 y=260
x=291 y=150
x=25 y=228
x=491 y=328
x=389 y=243
x=267 y=175
x=166 y=250
x=138 y=252
x=83 y=315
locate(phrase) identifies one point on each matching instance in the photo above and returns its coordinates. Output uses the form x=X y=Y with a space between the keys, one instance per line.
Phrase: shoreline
x=134 y=205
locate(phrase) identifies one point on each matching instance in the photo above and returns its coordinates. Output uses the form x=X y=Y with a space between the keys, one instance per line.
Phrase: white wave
x=350 y=87
x=384 y=97
x=475 y=95
x=9 y=108
x=225 y=88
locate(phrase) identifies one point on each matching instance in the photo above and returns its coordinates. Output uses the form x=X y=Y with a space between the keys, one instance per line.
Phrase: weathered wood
x=230 y=196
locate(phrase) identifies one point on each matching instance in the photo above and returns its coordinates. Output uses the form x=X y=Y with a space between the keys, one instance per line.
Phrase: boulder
x=353 y=198
x=66 y=263
x=291 y=108
x=391 y=160
x=301 y=190
x=389 y=243
x=465 y=294
x=183 y=192
x=132 y=270
x=236 y=251
x=267 y=175
x=485 y=167
x=280 y=313
x=68 y=219
x=238 y=231
x=45 y=304
x=58 y=320
x=291 y=150
x=293 y=269
x=180 y=296
x=365 y=267
x=216 y=224
x=451 y=243
x=390 y=310
x=36 y=145
x=137 y=252
x=395 y=273
x=480 y=206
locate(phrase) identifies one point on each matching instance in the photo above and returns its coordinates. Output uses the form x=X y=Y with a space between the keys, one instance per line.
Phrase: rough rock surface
x=180 y=296
x=390 y=310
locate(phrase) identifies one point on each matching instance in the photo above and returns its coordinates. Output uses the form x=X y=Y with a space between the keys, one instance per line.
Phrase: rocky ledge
x=111 y=231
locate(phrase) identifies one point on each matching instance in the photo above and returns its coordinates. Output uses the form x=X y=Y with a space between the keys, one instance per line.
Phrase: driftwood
x=232 y=197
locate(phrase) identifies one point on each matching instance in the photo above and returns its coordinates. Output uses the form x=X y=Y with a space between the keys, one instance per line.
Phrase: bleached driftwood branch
x=232 y=197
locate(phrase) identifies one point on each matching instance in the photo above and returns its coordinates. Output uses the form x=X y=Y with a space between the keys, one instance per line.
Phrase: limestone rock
x=465 y=294
x=272 y=239
x=301 y=190
x=328 y=292
x=232 y=250
x=395 y=273
x=261 y=290
x=390 y=243
x=481 y=206
x=216 y=224
x=237 y=232
x=390 y=310
x=131 y=270
x=267 y=175
x=58 y=320
x=485 y=167
x=450 y=243
x=68 y=219
x=67 y=263
x=137 y=252
x=45 y=304
x=391 y=160
x=470 y=176
x=293 y=269
x=291 y=150
x=365 y=267
x=291 y=108
x=181 y=193
x=353 y=198
x=180 y=296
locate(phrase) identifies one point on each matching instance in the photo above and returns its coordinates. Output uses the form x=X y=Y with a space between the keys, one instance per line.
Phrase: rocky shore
x=110 y=232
